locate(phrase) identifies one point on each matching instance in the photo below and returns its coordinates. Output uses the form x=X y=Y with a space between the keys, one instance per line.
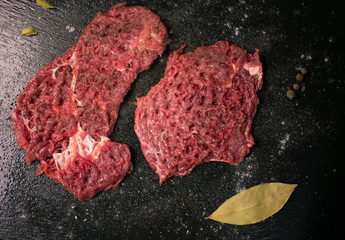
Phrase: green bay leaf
x=254 y=204
x=29 y=32
x=44 y=4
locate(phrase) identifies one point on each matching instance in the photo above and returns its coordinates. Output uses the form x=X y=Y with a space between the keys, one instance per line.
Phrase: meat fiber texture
x=69 y=108
x=201 y=111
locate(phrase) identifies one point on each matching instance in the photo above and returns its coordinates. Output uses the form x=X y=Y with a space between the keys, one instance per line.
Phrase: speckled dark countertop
x=297 y=141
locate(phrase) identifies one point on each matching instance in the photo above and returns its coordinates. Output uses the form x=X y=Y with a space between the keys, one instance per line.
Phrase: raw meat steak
x=70 y=107
x=201 y=111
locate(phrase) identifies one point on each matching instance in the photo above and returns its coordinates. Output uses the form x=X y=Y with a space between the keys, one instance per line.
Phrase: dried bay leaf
x=29 y=32
x=44 y=4
x=254 y=204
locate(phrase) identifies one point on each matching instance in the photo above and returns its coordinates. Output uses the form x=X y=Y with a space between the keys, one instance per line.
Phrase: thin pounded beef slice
x=201 y=111
x=79 y=94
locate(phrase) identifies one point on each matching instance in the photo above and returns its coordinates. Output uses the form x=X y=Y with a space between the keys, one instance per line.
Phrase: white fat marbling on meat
x=80 y=144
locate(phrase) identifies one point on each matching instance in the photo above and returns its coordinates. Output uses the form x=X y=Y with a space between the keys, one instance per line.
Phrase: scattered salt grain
x=70 y=29
x=236 y=31
x=283 y=143
x=227 y=25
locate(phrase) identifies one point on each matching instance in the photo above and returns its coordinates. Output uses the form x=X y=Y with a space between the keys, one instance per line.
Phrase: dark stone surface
x=297 y=141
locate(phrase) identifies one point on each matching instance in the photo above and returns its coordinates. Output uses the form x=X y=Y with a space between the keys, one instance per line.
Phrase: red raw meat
x=201 y=111
x=71 y=105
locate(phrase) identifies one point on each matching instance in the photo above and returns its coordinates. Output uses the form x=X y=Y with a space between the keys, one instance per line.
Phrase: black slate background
x=297 y=141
